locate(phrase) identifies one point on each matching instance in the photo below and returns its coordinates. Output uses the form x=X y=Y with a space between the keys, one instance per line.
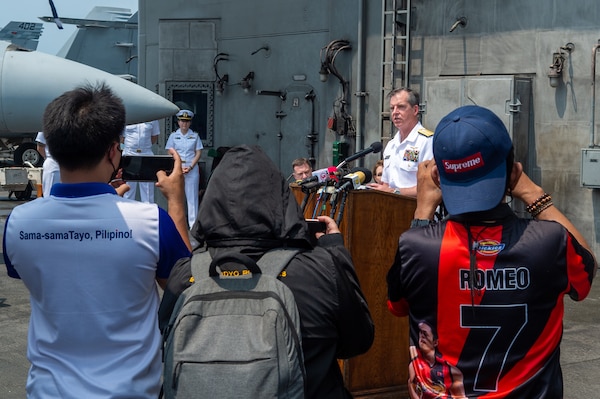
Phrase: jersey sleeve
x=581 y=268
x=396 y=303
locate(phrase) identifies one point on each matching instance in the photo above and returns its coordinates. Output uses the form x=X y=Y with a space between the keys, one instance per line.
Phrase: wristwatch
x=396 y=191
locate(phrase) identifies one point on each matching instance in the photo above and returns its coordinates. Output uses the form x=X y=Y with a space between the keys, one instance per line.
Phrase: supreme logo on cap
x=467 y=164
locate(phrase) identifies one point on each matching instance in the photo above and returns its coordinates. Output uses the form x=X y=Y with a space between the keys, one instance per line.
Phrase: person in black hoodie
x=248 y=207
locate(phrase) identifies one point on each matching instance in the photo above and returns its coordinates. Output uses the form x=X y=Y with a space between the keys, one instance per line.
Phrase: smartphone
x=315 y=226
x=144 y=167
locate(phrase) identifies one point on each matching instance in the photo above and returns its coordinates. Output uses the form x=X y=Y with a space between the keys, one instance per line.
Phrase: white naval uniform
x=138 y=141
x=50 y=169
x=186 y=146
x=401 y=159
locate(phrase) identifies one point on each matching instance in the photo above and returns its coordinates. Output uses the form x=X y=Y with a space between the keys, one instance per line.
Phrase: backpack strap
x=200 y=264
x=274 y=261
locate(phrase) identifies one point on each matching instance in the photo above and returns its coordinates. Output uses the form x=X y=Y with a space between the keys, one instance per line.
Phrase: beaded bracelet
x=540 y=204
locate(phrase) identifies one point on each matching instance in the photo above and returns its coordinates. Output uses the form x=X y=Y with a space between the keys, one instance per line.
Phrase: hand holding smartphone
x=315 y=226
x=145 y=167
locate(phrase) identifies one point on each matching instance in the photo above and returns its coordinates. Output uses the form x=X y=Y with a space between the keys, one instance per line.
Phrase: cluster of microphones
x=329 y=182
x=335 y=178
x=334 y=175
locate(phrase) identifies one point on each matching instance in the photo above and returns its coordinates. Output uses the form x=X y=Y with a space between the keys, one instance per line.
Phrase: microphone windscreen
x=376 y=146
x=367 y=175
x=361 y=176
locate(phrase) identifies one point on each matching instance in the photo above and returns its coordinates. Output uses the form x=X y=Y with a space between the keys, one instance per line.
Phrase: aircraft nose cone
x=30 y=80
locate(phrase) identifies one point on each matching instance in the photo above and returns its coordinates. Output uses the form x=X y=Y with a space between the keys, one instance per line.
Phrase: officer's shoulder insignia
x=425 y=132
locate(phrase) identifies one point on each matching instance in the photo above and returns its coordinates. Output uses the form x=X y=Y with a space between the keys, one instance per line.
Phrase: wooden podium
x=371 y=223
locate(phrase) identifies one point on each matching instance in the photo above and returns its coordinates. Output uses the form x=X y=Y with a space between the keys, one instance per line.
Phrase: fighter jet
x=29 y=80
x=24 y=34
x=91 y=23
x=106 y=39
x=104 y=48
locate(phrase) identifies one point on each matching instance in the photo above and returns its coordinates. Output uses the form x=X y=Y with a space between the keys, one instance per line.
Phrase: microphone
x=373 y=148
x=322 y=175
x=310 y=186
x=355 y=178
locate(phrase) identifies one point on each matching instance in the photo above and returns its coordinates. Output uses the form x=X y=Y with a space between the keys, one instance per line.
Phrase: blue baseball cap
x=470 y=147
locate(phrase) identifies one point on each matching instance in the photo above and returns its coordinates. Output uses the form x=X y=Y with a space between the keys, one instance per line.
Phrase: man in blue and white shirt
x=91 y=260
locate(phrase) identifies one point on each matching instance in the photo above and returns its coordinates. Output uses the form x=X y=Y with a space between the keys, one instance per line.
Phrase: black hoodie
x=248 y=207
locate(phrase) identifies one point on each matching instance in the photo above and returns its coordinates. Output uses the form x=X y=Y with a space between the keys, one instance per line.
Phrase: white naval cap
x=185 y=115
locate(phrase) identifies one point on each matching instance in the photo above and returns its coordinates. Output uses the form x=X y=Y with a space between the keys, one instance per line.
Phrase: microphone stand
x=333 y=204
x=329 y=191
x=318 y=203
x=305 y=200
x=307 y=189
x=342 y=206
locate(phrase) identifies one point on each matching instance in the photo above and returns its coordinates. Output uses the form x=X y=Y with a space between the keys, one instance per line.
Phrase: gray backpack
x=235 y=334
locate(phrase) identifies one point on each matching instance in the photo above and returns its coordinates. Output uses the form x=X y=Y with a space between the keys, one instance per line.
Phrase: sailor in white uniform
x=189 y=146
x=50 y=170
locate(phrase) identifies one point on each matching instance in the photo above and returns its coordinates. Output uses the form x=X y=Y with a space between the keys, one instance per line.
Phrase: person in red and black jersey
x=491 y=284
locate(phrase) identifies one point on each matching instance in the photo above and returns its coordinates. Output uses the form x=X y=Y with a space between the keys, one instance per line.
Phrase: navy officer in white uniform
x=411 y=145
x=189 y=146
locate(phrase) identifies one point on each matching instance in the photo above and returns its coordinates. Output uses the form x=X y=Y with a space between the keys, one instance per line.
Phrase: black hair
x=81 y=125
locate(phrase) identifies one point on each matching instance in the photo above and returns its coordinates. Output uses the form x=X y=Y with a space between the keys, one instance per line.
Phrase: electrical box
x=14 y=179
x=590 y=167
x=340 y=152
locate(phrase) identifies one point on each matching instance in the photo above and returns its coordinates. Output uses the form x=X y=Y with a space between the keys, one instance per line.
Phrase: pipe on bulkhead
x=360 y=99
x=462 y=21
x=592 y=129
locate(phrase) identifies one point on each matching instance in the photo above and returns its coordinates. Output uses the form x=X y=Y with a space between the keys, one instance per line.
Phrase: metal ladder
x=395 y=50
